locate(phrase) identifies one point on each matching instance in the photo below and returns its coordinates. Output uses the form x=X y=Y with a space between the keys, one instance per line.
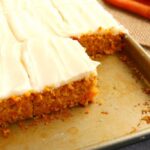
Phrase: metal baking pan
x=113 y=120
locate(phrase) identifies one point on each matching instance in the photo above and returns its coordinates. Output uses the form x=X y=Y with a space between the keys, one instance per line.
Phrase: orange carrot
x=147 y=2
x=133 y=6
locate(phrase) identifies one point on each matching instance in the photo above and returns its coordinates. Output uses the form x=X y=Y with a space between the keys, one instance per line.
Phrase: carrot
x=133 y=6
x=147 y=2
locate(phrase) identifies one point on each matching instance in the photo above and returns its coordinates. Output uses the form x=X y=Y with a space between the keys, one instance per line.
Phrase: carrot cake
x=41 y=76
x=44 y=66
x=40 y=73
x=91 y=25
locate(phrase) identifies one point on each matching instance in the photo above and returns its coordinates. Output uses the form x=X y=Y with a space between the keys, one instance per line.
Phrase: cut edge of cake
x=94 y=27
x=50 y=100
x=73 y=84
x=101 y=42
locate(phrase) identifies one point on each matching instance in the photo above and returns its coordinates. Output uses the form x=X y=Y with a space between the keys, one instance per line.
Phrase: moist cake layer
x=17 y=108
x=99 y=43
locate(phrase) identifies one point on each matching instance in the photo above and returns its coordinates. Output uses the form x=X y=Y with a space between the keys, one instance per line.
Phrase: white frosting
x=30 y=18
x=85 y=15
x=31 y=56
x=49 y=63
x=34 y=49
x=14 y=79
x=72 y=17
x=44 y=12
x=21 y=21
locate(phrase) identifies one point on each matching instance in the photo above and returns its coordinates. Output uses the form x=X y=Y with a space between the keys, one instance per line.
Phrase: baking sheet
x=114 y=117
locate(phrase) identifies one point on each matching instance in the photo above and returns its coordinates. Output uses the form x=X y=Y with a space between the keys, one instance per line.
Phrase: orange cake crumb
x=101 y=42
x=51 y=100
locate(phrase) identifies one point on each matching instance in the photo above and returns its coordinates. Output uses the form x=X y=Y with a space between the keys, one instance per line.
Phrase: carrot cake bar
x=91 y=25
x=40 y=73
x=40 y=76
x=43 y=67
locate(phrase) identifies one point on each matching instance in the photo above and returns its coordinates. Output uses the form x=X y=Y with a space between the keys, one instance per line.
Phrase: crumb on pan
x=5 y=132
x=104 y=113
x=87 y=111
x=135 y=71
x=147 y=90
x=133 y=130
x=146 y=119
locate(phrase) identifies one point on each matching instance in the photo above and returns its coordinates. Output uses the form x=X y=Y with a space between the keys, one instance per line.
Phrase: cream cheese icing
x=33 y=59
x=49 y=16
x=49 y=63
x=14 y=78
x=33 y=37
x=31 y=18
x=86 y=16
x=21 y=21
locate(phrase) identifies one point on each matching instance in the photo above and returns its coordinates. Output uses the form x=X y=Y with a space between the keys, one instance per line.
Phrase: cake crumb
x=133 y=130
x=86 y=111
x=5 y=132
x=139 y=124
x=44 y=119
x=145 y=111
x=135 y=71
x=147 y=119
x=100 y=102
x=146 y=104
x=114 y=87
x=137 y=105
x=147 y=90
x=104 y=113
x=22 y=125
x=124 y=58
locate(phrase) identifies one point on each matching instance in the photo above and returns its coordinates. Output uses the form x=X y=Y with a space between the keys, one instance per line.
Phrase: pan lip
x=140 y=56
x=130 y=39
x=130 y=138
x=121 y=141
